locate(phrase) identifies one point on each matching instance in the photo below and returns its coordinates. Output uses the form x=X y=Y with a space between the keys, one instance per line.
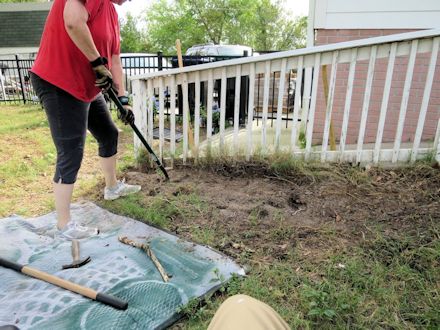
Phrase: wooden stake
x=325 y=83
x=180 y=61
x=149 y=252
x=179 y=53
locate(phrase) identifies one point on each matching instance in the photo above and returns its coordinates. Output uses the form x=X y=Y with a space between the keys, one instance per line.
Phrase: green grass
x=355 y=289
x=27 y=161
x=160 y=211
x=21 y=140
x=21 y=118
x=383 y=281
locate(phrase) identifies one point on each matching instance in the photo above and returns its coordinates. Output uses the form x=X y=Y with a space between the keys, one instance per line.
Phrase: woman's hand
x=104 y=79
x=128 y=117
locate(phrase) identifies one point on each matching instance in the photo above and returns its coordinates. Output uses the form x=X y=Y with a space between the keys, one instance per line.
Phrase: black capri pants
x=69 y=119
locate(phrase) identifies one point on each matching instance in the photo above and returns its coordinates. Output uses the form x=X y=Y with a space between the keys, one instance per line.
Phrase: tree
x=167 y=22
x=276 y=31
x=132 y=39
x=261 y=24
x=294 y=33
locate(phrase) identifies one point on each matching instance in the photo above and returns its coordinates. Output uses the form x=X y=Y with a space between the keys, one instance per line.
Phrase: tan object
x=242 y=312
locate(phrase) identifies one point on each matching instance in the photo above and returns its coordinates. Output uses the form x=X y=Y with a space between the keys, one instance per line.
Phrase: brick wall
x=414 y=105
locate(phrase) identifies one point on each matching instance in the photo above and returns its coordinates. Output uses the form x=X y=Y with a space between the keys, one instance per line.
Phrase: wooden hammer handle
x=75 y=250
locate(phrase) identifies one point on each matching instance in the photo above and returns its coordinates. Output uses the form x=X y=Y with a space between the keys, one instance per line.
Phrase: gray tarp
x=118 y=269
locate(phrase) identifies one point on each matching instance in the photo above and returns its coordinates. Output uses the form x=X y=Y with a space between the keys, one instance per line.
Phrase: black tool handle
x=123 y=112
x=111 y=301
x=11 y=265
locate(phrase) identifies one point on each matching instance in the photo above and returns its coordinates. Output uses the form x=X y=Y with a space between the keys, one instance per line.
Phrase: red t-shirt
x=61 y=63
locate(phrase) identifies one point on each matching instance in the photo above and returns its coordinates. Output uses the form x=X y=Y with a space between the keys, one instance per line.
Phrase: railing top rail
x=297 y=52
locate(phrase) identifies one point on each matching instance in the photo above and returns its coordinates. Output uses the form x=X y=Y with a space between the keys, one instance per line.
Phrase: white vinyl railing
x=299 y=137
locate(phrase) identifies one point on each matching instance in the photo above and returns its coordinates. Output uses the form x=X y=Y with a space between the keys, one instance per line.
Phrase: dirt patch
x=258 y=214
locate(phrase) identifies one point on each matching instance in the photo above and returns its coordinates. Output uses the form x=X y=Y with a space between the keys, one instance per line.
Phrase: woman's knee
x=108 y=145
x=69 y=159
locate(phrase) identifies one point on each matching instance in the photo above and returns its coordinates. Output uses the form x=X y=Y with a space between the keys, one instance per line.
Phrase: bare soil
x=259 y=214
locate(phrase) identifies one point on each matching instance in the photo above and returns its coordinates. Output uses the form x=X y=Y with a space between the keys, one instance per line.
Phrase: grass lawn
x=328 y=247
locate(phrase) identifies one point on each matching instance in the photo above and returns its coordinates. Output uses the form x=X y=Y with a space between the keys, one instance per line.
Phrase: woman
x=68 y=75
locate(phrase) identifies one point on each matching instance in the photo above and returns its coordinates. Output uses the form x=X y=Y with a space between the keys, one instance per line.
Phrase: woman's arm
x=117 y=74
x=118 y=82
x=75 y=21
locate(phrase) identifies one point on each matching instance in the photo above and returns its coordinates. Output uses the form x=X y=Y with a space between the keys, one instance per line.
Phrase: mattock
x=76 y=256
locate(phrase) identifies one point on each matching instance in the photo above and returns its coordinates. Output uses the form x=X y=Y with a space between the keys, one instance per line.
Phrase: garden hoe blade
x=76 y=256
x=114 y=98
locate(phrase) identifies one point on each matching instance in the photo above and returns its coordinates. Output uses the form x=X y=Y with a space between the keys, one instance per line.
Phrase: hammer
x=76 y=256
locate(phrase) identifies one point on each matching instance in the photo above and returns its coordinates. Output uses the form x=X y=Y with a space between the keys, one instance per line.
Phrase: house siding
x=21 y=29
x=21 y=25
x=376 y=14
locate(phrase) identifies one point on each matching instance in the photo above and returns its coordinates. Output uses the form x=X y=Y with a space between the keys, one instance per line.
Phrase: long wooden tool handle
x=150 y=253
x=73 y=287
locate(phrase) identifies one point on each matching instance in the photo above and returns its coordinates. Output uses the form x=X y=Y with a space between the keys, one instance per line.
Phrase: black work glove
x=128 y=118
x=104 y=79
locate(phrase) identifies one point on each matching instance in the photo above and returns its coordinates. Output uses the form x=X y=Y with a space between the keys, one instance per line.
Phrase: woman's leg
x=67 y=118
x=108 y=165
x=101 y=125
x=63 y=196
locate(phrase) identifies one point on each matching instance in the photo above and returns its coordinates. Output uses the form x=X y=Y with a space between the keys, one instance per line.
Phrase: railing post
x=437 y=143
x=160 y=60
x=21 y=80
x=426 y=98
x=137 y=110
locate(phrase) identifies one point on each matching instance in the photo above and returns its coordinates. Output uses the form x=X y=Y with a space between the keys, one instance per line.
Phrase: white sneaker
x=75 y=231
x=121 y=189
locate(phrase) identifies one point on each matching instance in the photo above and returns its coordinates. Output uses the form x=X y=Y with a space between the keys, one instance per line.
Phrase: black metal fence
x=134 y=65
x=16 y=88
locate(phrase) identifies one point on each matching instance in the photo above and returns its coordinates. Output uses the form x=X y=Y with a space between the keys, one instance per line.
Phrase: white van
x=219 y=50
